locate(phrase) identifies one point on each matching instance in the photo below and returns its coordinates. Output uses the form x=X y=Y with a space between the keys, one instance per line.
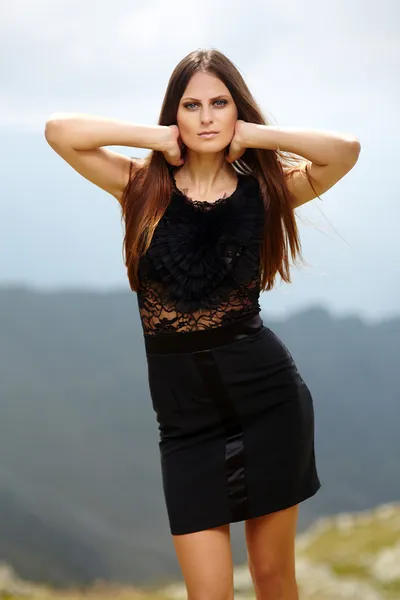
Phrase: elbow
x=351 y=151
x=356 y=146
x=53 y=129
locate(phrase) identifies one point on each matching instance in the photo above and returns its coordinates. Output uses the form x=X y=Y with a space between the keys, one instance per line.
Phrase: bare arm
x=79 y=140
x=328 y=155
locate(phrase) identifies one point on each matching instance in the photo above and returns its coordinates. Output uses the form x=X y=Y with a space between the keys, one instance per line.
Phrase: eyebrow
x=215 y=98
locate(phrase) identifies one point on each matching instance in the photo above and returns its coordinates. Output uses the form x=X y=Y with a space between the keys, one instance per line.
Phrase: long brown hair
x=148 y=192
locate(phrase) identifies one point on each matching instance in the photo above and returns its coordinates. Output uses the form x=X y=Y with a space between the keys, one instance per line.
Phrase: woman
x=209 y=223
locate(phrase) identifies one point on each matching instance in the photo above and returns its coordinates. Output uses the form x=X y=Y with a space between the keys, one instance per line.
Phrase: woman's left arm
x=328 y=155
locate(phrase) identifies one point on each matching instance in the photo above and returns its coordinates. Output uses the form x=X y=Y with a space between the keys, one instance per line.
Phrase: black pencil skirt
x=236 y=424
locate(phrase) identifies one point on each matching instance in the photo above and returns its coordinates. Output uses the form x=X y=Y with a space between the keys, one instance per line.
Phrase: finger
x=177 y=162
x=175 y=159
x=229 y=157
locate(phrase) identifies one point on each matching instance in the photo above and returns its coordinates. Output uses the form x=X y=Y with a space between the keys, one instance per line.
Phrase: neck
x=204 y=172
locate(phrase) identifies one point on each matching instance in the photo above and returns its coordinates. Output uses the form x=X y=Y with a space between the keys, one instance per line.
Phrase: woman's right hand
x=173 y=148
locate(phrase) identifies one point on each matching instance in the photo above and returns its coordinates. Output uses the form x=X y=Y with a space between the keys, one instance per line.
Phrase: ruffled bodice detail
x=202 y=267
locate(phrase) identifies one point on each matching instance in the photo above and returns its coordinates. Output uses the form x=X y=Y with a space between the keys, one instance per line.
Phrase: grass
x=347 y=553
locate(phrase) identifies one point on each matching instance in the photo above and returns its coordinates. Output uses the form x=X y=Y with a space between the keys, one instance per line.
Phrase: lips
x=208 y=133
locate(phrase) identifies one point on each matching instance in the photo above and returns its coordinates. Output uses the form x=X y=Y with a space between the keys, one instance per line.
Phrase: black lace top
x=202 y=268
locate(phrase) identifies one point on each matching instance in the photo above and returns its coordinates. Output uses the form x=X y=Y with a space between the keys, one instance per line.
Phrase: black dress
x=236 y=419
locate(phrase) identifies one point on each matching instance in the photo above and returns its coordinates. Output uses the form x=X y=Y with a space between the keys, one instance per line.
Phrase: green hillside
x=347 y=556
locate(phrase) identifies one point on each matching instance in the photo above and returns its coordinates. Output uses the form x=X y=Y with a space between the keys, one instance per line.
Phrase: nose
x=206 y=116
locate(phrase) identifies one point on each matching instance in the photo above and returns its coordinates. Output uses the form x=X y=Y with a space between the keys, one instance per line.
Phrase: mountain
x=347 y=555
x=80 y=479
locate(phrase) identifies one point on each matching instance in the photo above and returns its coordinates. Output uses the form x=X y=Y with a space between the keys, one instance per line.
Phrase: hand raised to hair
x=173 y=147
x=237 y=146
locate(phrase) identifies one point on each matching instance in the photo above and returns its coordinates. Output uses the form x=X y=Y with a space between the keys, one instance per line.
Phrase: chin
x=210 y=146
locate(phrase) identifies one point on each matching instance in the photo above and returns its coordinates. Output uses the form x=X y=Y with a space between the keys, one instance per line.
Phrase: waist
x=202 y=339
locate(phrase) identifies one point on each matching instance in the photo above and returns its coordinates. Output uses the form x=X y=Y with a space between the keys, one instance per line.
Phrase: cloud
x=329 y=65
x=72 y=56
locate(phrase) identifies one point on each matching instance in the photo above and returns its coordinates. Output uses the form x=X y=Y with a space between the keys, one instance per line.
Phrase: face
x=206 y=105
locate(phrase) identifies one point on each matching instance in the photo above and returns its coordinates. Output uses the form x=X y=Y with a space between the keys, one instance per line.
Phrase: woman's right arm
x=80 y=139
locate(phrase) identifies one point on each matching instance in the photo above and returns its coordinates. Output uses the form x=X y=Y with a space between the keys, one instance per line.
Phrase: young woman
x=209 y=224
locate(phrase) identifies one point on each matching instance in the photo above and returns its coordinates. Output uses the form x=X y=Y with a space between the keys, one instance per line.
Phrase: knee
x=216 y=590
x=214 y=595
x=272 y=575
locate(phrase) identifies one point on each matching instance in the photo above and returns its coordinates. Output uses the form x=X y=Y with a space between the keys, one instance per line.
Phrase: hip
x=238 y=373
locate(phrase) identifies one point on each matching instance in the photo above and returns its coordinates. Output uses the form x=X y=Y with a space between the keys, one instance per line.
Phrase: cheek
x=230 y=123
x=185 y=124
x=231 y=118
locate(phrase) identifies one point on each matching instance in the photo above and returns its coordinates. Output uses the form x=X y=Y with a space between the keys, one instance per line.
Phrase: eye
x=188 y=104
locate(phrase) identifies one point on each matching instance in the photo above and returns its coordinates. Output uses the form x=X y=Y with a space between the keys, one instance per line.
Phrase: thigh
x=205 y=558
x=270 y=541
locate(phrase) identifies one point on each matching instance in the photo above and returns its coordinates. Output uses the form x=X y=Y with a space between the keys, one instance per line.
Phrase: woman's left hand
x=237 y=146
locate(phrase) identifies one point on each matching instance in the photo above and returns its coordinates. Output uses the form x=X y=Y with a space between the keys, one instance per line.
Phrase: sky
x=329 y=65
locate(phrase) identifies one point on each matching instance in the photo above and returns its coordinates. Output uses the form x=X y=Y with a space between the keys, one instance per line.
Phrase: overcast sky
x=330 y=65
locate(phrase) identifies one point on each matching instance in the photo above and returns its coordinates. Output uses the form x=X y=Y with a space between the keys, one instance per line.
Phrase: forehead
x=205 y=85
